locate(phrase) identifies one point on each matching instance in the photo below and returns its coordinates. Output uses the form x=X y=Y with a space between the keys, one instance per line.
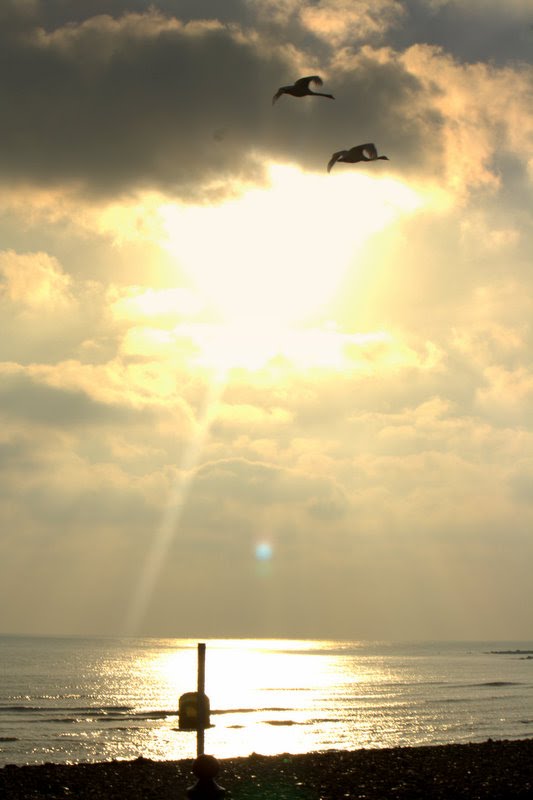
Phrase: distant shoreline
x=511 y=652
x=446 y=772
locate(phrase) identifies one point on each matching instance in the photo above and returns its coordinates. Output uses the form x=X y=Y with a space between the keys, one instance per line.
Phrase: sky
x=240 y=396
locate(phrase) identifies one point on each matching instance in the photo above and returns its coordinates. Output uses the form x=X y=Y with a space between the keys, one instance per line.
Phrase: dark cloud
x=521 y=484
x=23 y=398
x=112 y=104
x=264 y=484
x=91 y=505
x=141 y=114
x=490 y=31
x=17 y=454
x=51 y=14
x=113 y=99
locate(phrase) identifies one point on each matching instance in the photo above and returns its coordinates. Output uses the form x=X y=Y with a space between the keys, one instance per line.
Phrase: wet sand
x=497 y=770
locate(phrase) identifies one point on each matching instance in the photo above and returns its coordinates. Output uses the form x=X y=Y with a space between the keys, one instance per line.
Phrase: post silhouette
x=199 y=697
x=205 y=767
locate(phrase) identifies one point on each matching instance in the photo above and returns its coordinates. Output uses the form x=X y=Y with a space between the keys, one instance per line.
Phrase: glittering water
x=70 y=700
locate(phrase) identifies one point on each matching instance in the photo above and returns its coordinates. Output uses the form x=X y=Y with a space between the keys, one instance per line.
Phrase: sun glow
x=266 y=261
x=279 y=253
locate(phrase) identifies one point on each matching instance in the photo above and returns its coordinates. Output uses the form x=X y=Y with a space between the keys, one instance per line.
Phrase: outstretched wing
x=369 y=150
x=277 y=95
x=334 y=158
x=306 y=81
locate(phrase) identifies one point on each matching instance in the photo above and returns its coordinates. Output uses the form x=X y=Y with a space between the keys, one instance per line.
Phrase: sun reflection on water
x=266 y=696
x=263 y=696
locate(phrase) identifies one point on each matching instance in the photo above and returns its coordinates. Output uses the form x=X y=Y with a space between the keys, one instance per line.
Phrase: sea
x=72 y=700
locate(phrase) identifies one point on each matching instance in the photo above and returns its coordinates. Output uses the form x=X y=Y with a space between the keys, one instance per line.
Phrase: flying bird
x=362 y=152
x=300 y=88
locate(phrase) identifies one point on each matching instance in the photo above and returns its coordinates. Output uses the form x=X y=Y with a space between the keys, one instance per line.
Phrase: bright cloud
x=344 y=22
x=35 y=281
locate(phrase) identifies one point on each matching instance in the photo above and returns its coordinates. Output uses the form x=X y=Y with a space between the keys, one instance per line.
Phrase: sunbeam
x=164 y=537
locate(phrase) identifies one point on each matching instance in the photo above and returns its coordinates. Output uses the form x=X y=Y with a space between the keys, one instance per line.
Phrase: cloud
x=118 y=103
x=110 y=104
x=521 y=482
x=342 y=22
x=23 y=398
x=471 y=30
x=135 y=102
x=35 y=281
x=263 y=485
x=481 y=118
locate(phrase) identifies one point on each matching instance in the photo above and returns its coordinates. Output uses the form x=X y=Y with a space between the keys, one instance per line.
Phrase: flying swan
x=300 y=88
x=362 y=152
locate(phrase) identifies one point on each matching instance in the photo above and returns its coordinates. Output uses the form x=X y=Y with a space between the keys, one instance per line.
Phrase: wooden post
x=200 y=694
x=205 y=768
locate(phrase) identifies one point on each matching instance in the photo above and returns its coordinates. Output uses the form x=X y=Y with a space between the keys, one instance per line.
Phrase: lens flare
x=263 y=551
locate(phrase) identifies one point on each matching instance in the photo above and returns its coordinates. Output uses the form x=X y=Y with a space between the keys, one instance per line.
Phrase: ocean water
x=68 y=700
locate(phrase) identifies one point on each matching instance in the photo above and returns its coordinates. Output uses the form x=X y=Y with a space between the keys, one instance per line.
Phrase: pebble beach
x=492 y=769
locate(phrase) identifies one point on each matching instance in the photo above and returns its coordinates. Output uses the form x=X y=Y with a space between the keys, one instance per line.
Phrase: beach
x=492 y=769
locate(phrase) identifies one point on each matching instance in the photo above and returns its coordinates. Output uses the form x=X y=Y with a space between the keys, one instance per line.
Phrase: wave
x=77 y=714
x=498 y=683
x=122 y=712
x=130 y=728
x=485 y=683
x=246 y=710
x=70 y=714
x=146 y=715
x=22 y=709
x=288 y=722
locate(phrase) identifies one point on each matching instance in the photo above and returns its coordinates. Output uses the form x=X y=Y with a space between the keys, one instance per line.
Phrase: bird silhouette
x=300 y=88
x=362 y=152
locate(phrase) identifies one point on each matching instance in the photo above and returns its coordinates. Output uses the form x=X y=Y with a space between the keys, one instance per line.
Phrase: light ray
x=164 y=537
